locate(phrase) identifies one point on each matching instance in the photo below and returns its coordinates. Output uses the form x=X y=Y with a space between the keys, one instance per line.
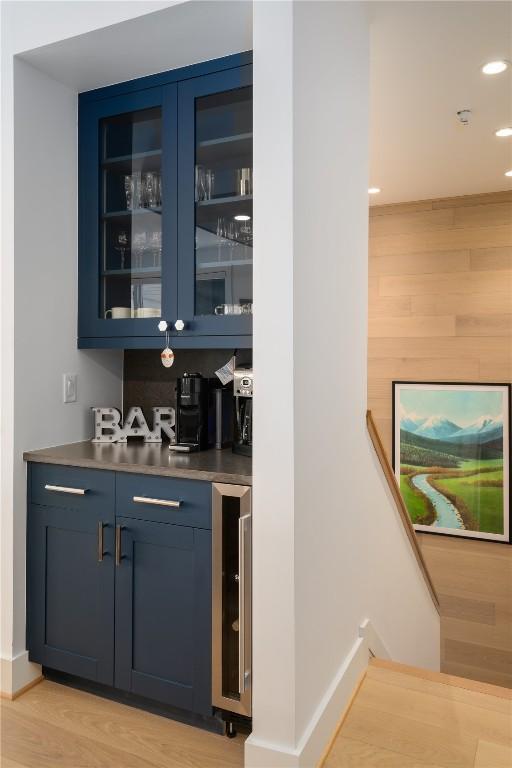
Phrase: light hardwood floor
x=403 y=720
x=53 y=726
x=473 y=580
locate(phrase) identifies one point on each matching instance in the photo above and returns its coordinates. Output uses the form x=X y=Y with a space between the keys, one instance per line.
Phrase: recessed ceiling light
x=508 y=173
x=242 y=217
x=374 y=190
x=504 y=132
x=495 y=67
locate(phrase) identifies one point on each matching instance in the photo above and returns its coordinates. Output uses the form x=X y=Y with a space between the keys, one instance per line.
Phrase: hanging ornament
x=167 y=355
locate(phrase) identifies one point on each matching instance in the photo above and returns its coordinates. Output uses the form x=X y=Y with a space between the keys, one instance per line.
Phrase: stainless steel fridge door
x=231 y=598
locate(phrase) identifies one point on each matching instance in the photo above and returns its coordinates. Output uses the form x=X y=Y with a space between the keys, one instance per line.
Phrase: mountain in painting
x=437 y=427
x=483 y=430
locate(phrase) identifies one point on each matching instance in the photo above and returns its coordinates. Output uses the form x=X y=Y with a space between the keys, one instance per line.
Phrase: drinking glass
x=155 y=246
x=121 y=245
x=200 y=183
x=128 y=190
x=205 y=180
x=244 y=232
x=158 y=186
x=228 y=309
x=209 y=184
x=149 y=190
x=139 y=242
x=243 y=181
x=136 y=189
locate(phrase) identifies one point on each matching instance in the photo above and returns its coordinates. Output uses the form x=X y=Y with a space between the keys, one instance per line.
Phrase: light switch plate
x=69 y=386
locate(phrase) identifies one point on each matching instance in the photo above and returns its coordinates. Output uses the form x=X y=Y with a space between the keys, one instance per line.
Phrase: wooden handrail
x=402 y=509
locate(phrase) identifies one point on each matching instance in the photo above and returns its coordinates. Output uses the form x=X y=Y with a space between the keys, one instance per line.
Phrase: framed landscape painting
x=451 y=456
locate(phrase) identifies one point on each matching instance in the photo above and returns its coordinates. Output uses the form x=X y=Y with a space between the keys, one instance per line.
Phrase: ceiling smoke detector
x=464 y=116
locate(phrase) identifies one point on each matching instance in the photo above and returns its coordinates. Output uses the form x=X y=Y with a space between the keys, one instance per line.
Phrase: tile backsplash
x=148 y=384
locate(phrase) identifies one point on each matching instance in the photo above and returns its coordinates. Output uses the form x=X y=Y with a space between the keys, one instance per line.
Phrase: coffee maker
x=243 y=390
x=192 y=395
x=203 y=414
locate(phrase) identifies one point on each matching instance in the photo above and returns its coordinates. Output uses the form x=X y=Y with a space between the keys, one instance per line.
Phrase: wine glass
x=121 y=245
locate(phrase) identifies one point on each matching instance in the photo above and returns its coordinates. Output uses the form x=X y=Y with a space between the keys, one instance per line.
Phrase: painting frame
x=505 y=389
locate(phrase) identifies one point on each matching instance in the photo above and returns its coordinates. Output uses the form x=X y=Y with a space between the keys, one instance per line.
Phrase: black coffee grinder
x=243 y=389
x=192 y=397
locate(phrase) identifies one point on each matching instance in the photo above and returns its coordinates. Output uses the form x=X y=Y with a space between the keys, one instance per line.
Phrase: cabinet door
x=127 y=213
x=163 y=613
x=215 y=203
x=70 y=590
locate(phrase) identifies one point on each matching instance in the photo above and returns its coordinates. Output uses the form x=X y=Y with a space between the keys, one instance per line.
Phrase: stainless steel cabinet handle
x=65 y=489
x=100 y=542
x=118 y=544
x=242 y=619
x=157 y=502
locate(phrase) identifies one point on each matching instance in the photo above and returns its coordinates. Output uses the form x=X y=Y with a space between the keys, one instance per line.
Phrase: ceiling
x=425 y=66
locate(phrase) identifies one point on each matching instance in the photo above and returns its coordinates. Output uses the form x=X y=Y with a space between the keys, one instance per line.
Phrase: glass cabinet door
x=216 y=200
x=131 y=217
x=128 y=176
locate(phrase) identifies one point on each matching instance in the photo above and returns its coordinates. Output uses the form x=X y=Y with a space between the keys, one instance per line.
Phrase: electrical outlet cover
x=69 y=382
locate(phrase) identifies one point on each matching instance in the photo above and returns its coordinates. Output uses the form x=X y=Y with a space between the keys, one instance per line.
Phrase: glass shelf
x=133 y=158
x=228 y=150
x=246 y=137
x=134 y=212
x=225 y=200
x=135 y=273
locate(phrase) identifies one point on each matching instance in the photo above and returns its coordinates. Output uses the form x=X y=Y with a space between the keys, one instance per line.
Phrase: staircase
x=403 y=717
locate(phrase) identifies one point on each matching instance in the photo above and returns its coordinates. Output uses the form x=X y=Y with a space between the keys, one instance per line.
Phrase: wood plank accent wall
x=440 y=295
x=440 y=309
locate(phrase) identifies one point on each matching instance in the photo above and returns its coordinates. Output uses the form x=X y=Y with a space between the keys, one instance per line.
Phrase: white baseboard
x=17 y=673
x=321 y=726
x=373 y=641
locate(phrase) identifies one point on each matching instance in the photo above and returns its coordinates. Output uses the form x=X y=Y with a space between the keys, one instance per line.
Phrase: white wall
x=273 y=359
x=45 y=292
x=329 y=548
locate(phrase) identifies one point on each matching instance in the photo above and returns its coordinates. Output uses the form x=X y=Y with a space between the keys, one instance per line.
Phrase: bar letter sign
x=108 y=427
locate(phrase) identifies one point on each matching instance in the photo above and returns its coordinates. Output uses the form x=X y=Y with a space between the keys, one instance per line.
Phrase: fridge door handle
x=243 y=585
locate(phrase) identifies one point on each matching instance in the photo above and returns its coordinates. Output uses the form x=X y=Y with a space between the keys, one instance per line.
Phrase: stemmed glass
x=121 y=245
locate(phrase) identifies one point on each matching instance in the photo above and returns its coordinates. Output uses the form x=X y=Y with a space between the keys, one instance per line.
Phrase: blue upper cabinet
x=215 y=203
x=165 y=208
x=128 y=209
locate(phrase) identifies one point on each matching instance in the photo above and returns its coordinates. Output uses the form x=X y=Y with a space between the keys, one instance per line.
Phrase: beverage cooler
x=231 y=615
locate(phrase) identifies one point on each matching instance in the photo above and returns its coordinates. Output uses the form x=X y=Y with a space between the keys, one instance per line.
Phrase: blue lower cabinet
x=70 y=590
x=163 y=613
x=119 y=600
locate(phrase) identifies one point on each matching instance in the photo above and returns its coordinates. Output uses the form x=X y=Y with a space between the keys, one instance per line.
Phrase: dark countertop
x=150 y=459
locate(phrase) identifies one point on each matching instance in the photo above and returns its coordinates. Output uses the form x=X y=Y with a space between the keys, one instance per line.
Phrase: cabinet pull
x=100 y=542
x=157 y=502
x=118 y=544
x=65 y=489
